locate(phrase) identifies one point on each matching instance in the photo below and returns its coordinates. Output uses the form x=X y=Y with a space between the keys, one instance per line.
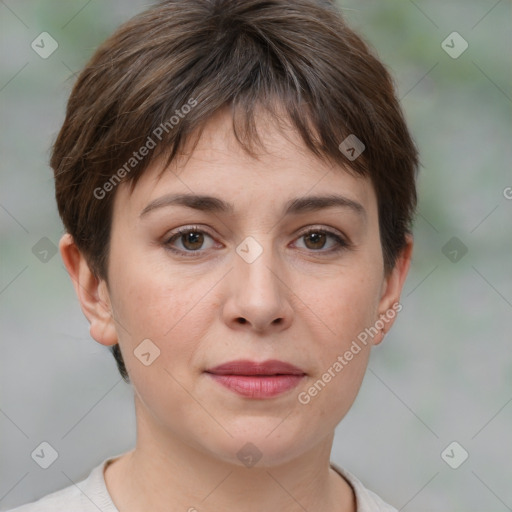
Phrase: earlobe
x=389 y=304
x=91 y=291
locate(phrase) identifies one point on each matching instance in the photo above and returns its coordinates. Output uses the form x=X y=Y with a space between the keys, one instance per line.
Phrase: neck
x=163 y=473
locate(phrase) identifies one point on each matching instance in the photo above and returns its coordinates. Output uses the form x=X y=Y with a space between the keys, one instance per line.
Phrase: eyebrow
x=296 y=206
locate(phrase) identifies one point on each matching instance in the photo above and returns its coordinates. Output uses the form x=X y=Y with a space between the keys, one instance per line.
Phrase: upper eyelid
x=318 y=227
x=303 y=231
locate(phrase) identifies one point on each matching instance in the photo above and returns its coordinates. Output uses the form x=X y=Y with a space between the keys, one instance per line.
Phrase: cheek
x=340 y=311
x=168 y=311
x=343 y=305
x=160 y=306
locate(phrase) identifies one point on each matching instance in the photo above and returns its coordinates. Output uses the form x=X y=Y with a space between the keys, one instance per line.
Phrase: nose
x=258 y=296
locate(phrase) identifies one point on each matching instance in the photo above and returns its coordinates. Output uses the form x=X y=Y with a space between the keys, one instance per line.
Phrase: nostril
x=242 y=320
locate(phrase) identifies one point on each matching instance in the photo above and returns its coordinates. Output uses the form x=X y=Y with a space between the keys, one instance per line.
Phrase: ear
x=91 y=291
x=389 y=303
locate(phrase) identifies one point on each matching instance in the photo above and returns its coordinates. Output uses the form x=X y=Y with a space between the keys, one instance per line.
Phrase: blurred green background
x=443 y=374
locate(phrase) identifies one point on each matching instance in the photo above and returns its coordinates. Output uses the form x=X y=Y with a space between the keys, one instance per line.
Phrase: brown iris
x=318 y=240
x=193 y=238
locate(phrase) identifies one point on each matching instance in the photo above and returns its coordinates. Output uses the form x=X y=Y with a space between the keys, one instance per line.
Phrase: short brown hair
x=241 y=54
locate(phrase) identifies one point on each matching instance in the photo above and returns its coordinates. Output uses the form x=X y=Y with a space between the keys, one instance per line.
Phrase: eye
x=190 y=238
x=190 y=241
x=316 y=240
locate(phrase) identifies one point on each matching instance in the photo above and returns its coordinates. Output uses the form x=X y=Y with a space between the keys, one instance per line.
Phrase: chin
x=262 y=442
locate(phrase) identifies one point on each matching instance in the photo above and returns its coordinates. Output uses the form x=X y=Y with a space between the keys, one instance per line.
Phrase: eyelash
x=342 y=243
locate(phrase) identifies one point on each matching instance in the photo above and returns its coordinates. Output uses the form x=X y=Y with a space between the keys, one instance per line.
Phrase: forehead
x=282 y=168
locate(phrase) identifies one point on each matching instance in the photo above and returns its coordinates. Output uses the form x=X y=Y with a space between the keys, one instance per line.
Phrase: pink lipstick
x=250 y=379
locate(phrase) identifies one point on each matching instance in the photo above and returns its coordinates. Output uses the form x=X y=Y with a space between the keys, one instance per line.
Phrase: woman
x=237 y=184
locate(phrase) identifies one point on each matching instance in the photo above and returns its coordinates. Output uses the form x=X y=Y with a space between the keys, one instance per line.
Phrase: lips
x=257 y=380
x=250 y=368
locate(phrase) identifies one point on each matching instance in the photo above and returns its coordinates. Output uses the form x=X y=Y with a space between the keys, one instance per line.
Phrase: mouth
x=257 y=380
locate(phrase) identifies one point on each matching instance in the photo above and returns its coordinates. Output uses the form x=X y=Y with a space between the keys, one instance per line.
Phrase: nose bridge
x=255 y=266
x=258 y=295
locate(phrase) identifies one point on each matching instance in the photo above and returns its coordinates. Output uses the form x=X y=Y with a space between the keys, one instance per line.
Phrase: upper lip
x=245 y=367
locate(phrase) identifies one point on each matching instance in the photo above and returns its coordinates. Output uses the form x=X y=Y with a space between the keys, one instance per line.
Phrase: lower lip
x=252 y=386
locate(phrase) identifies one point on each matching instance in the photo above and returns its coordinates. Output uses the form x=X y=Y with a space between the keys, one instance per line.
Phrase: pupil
x=193 y=238
x=317 y=239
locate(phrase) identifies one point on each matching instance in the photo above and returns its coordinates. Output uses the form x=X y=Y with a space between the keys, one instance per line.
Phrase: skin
x=297 y=302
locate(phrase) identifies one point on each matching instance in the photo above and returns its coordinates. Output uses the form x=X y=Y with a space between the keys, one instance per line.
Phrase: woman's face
x=261 y=270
